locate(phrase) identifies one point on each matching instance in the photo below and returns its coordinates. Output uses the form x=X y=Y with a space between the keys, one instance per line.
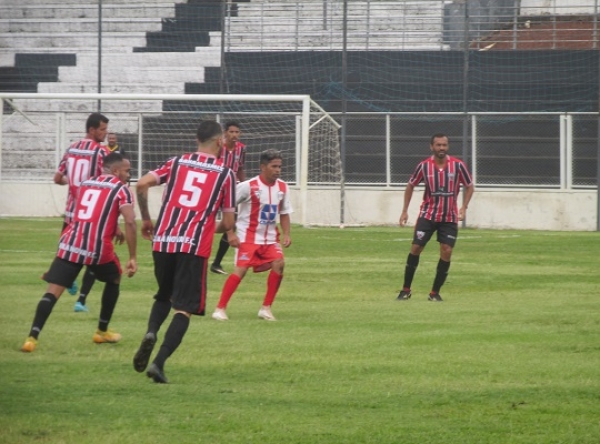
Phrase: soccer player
x=261 y=200
x=88 y=240
x=82 y=160
x=233 y=156
x=197 y=186
x=443 y=176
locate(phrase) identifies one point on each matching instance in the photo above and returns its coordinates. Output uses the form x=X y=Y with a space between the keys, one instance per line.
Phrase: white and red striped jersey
x=442 y=186
x=235 y=158
x=259 y=206
x=82 y=160
x=88 y=239
x=198 y=185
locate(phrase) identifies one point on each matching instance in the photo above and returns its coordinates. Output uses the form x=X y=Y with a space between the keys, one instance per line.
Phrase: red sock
x=231 y=284
x=273 y=283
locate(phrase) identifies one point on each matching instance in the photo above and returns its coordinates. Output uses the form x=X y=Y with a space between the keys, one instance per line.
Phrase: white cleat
x=220 y=315
x=265 y=313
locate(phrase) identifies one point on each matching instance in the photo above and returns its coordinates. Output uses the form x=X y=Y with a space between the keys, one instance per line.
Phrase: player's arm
x=468 y=193
x=286 y=226
x=408 y=192
x=131 y=237
x=241 y=173
x=141 y=189
x=60 y=179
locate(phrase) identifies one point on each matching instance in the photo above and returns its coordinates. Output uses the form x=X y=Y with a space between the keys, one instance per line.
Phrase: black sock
x=412 y=262
x=440 y=275
x=86 y=285
x=110 y=295
x=158 y=314
x=173 y=337
x=223 y=247
x=42 y=313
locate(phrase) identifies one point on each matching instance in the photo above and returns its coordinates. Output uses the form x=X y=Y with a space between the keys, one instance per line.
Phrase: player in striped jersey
x=443 y=176
x=261 y=200
x=82 y=160
x=197 y=186
x=88 y=240
x=233 y=156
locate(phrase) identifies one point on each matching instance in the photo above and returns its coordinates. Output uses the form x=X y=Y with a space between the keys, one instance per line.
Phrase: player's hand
x=403 y=218
x=461 y=213
x=119 y=236
x=131 y=267
x=147 y=229
x=287 y=240
x=233 y=239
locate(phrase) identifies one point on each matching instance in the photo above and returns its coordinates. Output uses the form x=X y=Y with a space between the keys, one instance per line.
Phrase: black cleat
x=156 y=374
x=404 y=295
x=435 y=297
x=217 y=269
x=142 y=356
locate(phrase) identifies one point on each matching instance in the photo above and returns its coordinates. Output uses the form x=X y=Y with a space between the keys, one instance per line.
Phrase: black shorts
x=181 y=278
x=447 y=232
x=63 y=272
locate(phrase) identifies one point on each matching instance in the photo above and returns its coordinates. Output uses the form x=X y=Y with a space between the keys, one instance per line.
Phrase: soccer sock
x=42 y=313
x=273 y=283
x=412 y=262
x=223 y=247
x=110 y=295
x=440 y=275
x=86 y=285
x=231 y=284
x=173 y=337
x=158 y=314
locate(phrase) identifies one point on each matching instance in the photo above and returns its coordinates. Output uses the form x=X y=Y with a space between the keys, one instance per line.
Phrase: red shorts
x=259 y=257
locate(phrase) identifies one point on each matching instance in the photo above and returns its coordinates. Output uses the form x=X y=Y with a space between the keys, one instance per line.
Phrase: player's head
x=117 y=165
x=210 y=136
x=96 y=127
x=439 y=145
x=270 y=165
x=111 y=138
x=232 y=132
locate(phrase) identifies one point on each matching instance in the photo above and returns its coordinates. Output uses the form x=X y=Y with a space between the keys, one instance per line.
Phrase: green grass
x=511 y=356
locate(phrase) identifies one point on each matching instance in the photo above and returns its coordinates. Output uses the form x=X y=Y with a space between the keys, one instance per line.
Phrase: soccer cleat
x=142 y=356
x=435 y=297
x=29 y=345
x=73 y=288
x=217 y=269
x=220 y=315
x=156 y=374
x=404 y=295
x=80 y=308
x=265 y=313
x=108 y=336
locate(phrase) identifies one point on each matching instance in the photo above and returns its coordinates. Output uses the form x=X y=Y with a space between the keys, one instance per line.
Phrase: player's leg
x=421 y=236
x=273 y=254
x=86 y=286
x=221 y=252
x=243 y=256
x=110 y=274
x=447 y=233
x=59 y=277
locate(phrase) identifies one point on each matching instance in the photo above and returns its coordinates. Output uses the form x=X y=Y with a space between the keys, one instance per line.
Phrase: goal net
x=38 y=128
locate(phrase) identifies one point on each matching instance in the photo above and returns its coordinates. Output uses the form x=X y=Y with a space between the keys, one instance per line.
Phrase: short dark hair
x=269 y=155
x=438 y=136
x=208 y=129
x=230 y=124
x=112 y=158
x=94 y=120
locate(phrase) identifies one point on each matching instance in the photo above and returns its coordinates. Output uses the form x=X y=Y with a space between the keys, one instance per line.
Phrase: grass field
x=511 y=356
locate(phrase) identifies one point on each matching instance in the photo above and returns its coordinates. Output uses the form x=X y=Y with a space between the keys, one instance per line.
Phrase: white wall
x=498 y=209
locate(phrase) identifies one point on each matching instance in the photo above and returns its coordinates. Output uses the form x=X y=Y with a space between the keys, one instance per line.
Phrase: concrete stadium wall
x=496 y=209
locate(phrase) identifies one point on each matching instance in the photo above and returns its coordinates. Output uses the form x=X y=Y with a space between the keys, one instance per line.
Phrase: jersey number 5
x=191 y=189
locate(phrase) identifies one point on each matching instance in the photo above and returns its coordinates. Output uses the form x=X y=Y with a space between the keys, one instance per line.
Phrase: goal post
x=36 y=129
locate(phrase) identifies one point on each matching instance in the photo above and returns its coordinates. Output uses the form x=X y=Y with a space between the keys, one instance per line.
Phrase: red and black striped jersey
x=235 y=158
x=197 y=186
x=442 y=186
x=82 y=160
x=88 y=239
